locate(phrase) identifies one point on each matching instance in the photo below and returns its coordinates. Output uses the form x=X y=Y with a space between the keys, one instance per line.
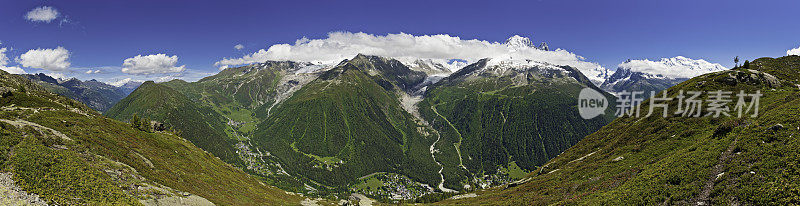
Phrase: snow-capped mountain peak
x=675 y=67
x=646 y=75
x=518 y=64
x=518 y=42
x=433 y=66
x=123 y=82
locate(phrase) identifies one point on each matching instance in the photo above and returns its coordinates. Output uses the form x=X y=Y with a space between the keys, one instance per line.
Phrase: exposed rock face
x=544 y=46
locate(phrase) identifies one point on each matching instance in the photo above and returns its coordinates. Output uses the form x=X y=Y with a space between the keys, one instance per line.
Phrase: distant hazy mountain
x=647 y=76
x=95 y=94
x=127 y=85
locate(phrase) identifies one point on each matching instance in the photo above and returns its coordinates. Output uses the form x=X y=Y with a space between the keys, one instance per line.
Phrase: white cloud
x=48 y=59
x=3 y=59
x=238 y=47
x=404 y=47
x=13 y=70
x=152 y=64
x=42 y=14
x=795 y=51
x=4 y=62
x=675 y=67
x=92 y=71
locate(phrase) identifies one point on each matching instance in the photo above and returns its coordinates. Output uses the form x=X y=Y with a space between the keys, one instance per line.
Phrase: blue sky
x=102 y=34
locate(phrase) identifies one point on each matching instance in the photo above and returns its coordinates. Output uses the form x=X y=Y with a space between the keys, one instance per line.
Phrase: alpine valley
x=389 y=129
x=395 y=130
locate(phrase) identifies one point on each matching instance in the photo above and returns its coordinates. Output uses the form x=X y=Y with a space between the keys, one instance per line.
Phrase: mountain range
x=95 y=94
x=339 y=129
x=654 y=76
x=393 y=129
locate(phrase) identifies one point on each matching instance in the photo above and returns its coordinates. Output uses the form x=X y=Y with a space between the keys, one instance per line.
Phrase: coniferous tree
x=136 y=122
x=746 y=64
x=145 y=125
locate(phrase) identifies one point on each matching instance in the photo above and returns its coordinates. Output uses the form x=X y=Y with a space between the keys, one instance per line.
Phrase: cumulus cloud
x=48 y=59
x=42 y=14
x=152 y=64
x=238 y=47
x=675 y=67
x=60 y=76
x=406 y=47
x=4 y=63
x=795 y=51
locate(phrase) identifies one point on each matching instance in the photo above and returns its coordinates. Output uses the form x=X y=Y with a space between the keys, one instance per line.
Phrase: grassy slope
x=350 y=115
x=679 y=160
x=40 y=167
x=200 y=125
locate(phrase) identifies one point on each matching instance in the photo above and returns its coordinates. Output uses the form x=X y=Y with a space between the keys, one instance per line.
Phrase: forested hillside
x=197 y=123
x=727 y=160
x=494 y=116
x=349 y=123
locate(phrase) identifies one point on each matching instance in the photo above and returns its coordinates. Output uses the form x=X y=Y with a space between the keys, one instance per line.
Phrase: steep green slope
x=497 y=116
x=348 y=123
x=220 y=112
x=683 y=160
x=199 y=124
x=69 y=154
